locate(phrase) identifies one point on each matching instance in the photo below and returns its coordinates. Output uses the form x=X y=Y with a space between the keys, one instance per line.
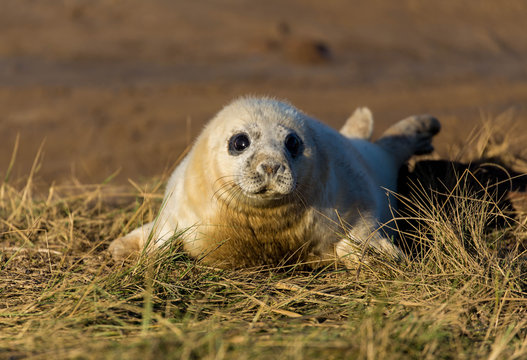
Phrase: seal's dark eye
x=293 y=144
x=238 y=143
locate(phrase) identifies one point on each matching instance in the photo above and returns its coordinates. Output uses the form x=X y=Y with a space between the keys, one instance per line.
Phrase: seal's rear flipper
x=359 y=124
x=411 y=136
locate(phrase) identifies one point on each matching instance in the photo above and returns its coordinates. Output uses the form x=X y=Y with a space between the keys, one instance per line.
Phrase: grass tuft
x=460 y=294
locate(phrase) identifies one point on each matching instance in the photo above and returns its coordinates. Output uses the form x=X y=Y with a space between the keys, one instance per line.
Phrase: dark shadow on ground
x=443 y=186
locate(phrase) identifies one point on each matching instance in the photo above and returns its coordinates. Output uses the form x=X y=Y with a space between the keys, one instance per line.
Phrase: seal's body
x=265 y=184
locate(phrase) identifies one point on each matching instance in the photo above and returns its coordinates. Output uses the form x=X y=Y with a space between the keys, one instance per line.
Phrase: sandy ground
x=125 y=85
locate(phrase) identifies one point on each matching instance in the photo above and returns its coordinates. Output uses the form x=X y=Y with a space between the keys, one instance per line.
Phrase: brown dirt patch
x=125 y=86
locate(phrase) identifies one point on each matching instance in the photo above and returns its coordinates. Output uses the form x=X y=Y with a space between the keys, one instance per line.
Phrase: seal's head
x=263 y=150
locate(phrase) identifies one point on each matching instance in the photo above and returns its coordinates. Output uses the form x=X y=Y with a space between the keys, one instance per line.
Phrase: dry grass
x=461 y=295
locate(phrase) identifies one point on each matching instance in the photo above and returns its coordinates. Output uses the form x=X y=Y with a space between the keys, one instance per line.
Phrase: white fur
x=358 y=177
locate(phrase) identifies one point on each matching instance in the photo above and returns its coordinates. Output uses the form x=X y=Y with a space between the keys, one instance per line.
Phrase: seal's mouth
x=263 y=191
x=266 y=189
x=267 y=194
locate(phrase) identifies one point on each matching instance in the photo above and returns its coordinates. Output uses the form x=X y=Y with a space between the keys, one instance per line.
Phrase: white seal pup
x=265 y=184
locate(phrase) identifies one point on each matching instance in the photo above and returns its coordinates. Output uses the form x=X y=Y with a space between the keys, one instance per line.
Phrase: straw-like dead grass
x=461 y=294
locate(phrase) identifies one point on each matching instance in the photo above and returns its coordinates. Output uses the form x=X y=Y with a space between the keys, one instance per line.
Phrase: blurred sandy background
x=125 y=85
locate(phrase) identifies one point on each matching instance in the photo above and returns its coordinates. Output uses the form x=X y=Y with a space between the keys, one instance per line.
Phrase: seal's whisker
x=225 y=193
x=222 y=178
x=223 y=189
x=233 y=195
x=299 y=194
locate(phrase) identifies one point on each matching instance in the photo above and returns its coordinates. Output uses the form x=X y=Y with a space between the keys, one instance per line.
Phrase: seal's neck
x=245 y=236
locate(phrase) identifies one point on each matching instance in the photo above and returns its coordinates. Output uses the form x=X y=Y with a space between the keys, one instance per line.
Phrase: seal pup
x=265 y=184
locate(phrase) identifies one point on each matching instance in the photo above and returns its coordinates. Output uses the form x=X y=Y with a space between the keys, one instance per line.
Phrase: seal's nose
x=270 y=168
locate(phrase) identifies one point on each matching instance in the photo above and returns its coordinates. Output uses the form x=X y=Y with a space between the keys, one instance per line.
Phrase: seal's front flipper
x=359 y=124
x=130 y=246
x=350 y=250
